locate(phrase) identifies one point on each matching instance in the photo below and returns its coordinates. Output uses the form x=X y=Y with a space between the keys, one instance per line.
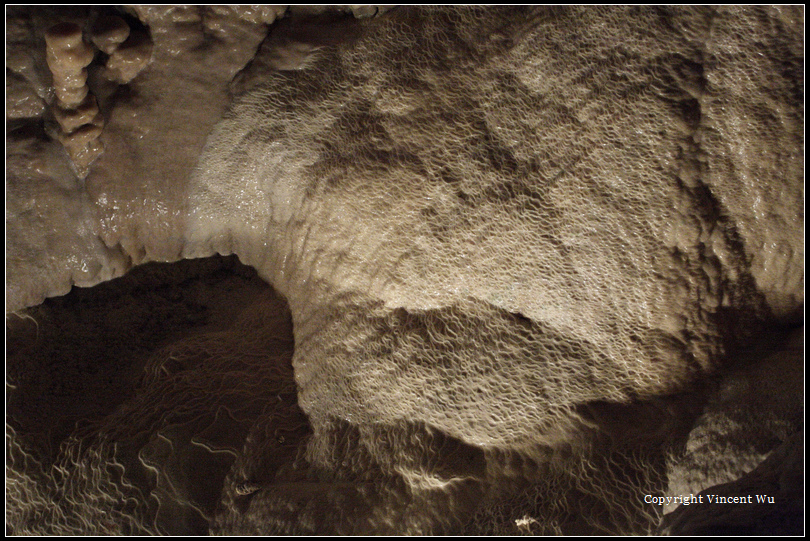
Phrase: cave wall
x=521 y=249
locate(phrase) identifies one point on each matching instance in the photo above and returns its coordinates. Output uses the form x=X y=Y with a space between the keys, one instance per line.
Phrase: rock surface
x=775 y=508
x=535 y=263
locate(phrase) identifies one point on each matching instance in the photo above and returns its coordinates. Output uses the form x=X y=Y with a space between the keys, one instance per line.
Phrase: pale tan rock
x=363 y=11
x=75 y=110
x=22 y=100
x=67 y=56
x=68 y=53
x=109 y=32
x=83 y=147
x=130 y=58
x=80 y=138
x=260 y=14
x=70 y=96
x=175 y=29
x=71 y=119
x=65 y=37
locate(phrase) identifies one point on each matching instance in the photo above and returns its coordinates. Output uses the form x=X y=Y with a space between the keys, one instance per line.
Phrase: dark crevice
x=163 y=371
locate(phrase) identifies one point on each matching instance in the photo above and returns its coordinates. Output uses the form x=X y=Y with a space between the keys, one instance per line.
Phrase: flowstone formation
x=519 y=253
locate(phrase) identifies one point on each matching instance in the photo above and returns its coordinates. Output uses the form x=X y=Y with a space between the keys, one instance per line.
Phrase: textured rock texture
x=779 y=483
x=534 y=263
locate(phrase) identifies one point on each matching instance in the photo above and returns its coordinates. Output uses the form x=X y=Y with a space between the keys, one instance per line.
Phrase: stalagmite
x=75 y=110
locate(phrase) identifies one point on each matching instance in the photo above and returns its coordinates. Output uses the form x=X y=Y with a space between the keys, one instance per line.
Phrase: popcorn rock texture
x=515 y=243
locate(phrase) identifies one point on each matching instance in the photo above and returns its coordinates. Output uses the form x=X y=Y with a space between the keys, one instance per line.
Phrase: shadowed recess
x=128 y=402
